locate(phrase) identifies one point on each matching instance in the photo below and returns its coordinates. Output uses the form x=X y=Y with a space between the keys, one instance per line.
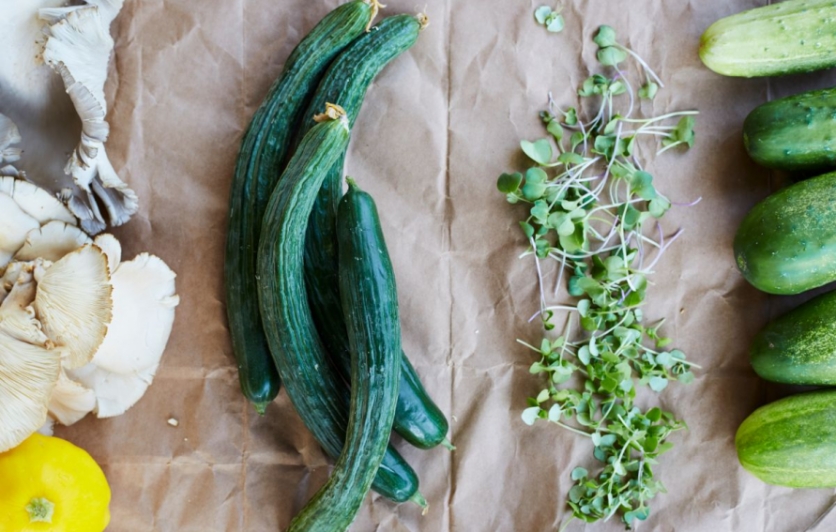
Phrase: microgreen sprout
x=551 y=19
x=594 y=208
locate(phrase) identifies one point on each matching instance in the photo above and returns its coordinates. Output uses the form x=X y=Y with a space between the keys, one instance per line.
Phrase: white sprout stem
x=644 y=65
x=539 y=275
x=670 y=147
x=660 y=118
x=629 y=91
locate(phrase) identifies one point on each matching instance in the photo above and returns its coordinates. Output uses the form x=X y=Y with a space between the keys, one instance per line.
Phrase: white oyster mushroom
x=115 y=393
x=14 y=226
x=52 y=242
x=35 y=201
x=143 y=313
x=70 y=401
x=74 y=303
x=112 y=248
x=79 y=47
x=29 y=366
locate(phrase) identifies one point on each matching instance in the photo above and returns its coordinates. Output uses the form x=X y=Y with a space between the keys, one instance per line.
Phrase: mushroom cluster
x=81 y=330
x=52 y=73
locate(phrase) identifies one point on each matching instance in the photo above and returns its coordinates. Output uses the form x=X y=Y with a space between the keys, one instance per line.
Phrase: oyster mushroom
x=112 y=248
x=35 y=201
x=76 y=43
x=78 y=47
x=15 y=224
x=74 y=303
x=143 y=314
x=115 y=393
x=70 y=401
x=52 y=242
x=29 y=366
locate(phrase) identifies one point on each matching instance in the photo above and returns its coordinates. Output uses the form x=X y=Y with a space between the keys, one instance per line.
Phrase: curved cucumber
x=418 y=419
x=263 y=152
x=795 y=133
x=783 y=38
x=799 y=347
x=792 y=442
x=321 y=398
x=787 y=243
x=371 y=313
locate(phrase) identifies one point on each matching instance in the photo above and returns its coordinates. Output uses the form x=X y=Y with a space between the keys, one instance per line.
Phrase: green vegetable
x=790 y=442
x=321 y=398
x=418 y=419
x=370 y=303
x=799 y=347
x=552 y=20
x=260 y=162
x=787 y=243
x=794 y=133
x=590 y=207
x=783 y=38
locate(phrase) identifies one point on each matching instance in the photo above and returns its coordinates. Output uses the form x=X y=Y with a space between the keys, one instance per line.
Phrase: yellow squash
x=49 y=484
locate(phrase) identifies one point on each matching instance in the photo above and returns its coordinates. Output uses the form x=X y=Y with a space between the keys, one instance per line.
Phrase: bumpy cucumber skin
x=799 y=347
x=787 y=243
x=795 y=134
x=317 y=392
x=792 y=442
x=263 y=152
x=367 y=286
x=788 y=37
x=418 y=419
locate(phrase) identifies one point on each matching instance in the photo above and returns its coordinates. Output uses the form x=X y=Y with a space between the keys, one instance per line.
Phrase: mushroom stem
x=40 y=510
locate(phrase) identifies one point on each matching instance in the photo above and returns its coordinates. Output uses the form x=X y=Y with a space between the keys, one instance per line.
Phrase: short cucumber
x=418 y=420
x=321 y=398
x=787 y=243
x=796 y=134
x=782 y=38
x=367 y=286
x=792 y=442
x=263 y=152
x=799 y=347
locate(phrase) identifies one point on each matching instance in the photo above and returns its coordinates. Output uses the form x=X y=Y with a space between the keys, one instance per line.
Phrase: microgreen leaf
x=605 y=37
x=555 y=129
x=570 y=158
x=555 y=23
x=530 y=415
x=579 y=473
x=611 y=56
x=539 y=151
x=570 y=117
x=649 y=90
x=542 y=13
x=509 y=183
x=657 y=384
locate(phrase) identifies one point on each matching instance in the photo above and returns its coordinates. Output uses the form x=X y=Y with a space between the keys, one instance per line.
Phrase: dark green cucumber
x=367 y=285
x=796 y=134
x=785 y=37
x=418 y=419
x=263 y=152
x=799 y=347
x=787 y=243
x=320 y=396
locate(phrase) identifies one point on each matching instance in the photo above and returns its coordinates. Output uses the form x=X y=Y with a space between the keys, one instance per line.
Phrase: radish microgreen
x=594 y=208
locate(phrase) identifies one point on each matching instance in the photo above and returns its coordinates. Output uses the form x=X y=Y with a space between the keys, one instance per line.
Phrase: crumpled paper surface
x=436 y=130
